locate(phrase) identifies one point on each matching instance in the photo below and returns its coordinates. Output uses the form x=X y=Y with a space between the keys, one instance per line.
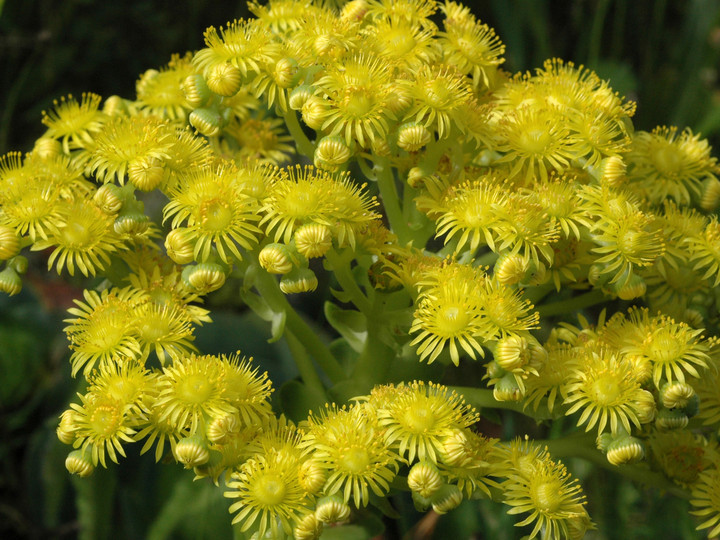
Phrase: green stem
x=391 y=200
x=571 y=305
x=376 y=358
x=434 y=152
x=596 y=32
x=269 y=289
x=583 y=447
x=340 y=266
x=304 y=364
x=314 y=345
x=303 y=143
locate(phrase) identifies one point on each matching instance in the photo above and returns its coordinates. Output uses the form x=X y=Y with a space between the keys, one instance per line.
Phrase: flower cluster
x=450 y=208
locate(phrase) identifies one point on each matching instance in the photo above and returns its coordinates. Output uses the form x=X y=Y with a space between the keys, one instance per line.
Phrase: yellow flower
x=165 y=329
x=191 y=390
x=473 y=48
x=101 y=424
x=450 y=312
x=127 y=143
x=103 y=330
x=160 y=92
x=417 y=418
x=246 y=389
x=215 y=211
x=355 y=97
x=308 y=195
x=75 y=124
x=83 y=237
x=674 y=349
x=350 y=446
x=670 y=165
x=706 y=498
x=439 y=94
x=606 y=387
x=269 y=495
x=553 y=500
x=261 y=139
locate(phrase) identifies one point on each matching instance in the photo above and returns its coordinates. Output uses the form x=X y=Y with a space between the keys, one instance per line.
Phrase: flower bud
x=313 y=112
x=192 y=451
x=645 y=407
x=204 y=277
x=603 y=441
x=447 y=498
x=512 y=352
x=625 y=450
x=299 y=96
x=276 y=259
x=330 y=153
x=413 y=136
x=47 y=147
x=146 y=173
x=424 y=478
x=286 y=72
x=212 y=468
x=313 y=240
x=10 y=282
x=612 y=171
x=507 y=389
x=66 y=428
x=676 y=394
x=219 y=429
x=511 y=269
x=331 y=509
x=354 y=11
x=634 y=287
x=115 y=106
x=206 y=121
x=107 y=199
x=671 y=419
x=78 y=462
x=224 y=79
x=9 y=243
x=308 y=528
x=180 y=246
x=196 y=90
x=311 y=476
x=711 y=194
x=132 y=224
x=298 y=281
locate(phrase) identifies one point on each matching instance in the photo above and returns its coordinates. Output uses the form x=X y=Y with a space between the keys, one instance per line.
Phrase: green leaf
x=258 y=304
x=349 y=323
x=278 y=326
x=297 y=400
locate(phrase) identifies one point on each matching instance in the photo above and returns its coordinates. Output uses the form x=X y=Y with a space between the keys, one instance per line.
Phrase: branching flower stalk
x=461 y=214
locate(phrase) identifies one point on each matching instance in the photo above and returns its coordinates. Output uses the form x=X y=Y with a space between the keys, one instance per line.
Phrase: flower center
x=270 y=489
x=355 y=460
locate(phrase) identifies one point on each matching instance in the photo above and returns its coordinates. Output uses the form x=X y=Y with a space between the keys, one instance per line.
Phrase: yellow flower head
x=473 y=48
x=261 y=139
x=308 y=195
x=553 y=500
x=668 y=164
x=450 y=311
x=75 y=124
x=216 y=212
x=606 y=387
x=83 y=238
x=160 y=92
x=349 y=445
x=127 y=145
x=191 y=391
x=102 y=424
x=269 y=496
x=419 y=417
x=103 y=330
x=246 y=389
x=439 y=94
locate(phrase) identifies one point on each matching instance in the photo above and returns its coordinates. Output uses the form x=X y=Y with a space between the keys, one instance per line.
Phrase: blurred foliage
x=664 y=54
